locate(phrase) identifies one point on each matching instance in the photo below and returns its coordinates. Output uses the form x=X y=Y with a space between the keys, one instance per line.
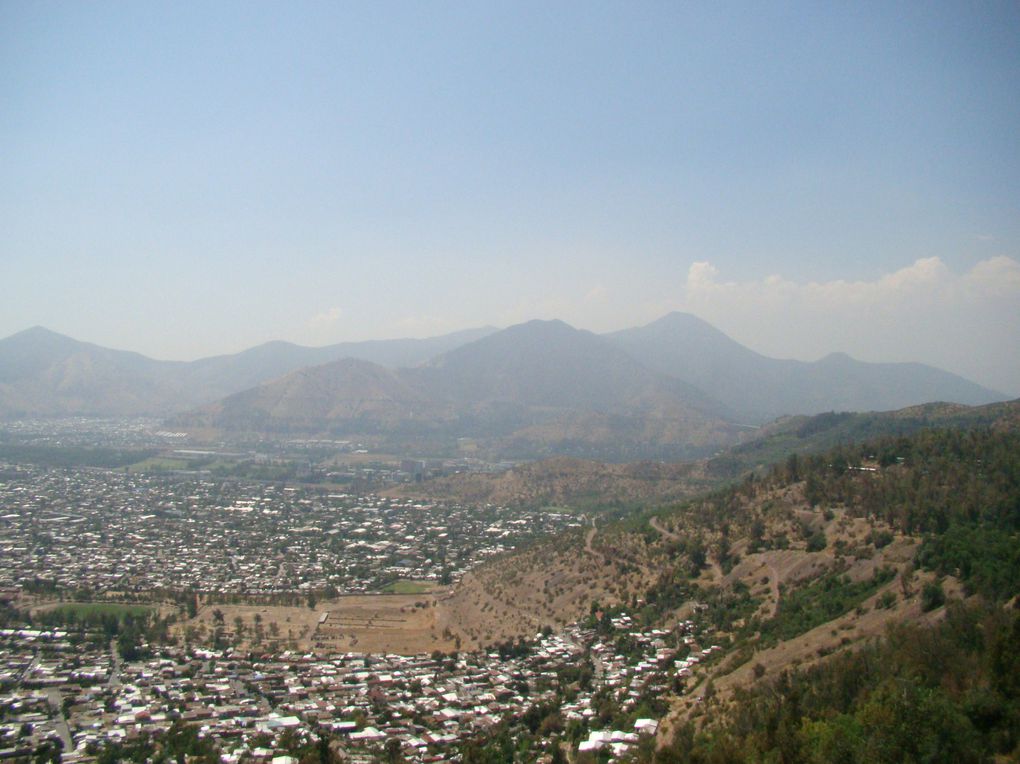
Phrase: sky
x=186 y=179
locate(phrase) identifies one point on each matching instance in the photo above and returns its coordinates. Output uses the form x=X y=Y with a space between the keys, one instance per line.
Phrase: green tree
x=932 y=596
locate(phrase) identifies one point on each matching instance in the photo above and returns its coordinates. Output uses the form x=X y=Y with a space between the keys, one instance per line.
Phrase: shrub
x=816 y=541
x=932 y=596
x=880 y=538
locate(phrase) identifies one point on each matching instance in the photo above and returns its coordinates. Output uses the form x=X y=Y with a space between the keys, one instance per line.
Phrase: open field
x=410 y=587
x=351 y=457
x=381 y=623
x=395 y=623
x=156 y=463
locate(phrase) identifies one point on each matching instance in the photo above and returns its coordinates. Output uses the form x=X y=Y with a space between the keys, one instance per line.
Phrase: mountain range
x=758 y=388
x=534 y=389
x=43 y=373
x=676 y=387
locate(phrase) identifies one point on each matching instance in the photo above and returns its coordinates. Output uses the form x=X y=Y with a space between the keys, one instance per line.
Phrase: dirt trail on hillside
x=773 y=588
x=717 y=571
x=589 y=537
x=654 y=522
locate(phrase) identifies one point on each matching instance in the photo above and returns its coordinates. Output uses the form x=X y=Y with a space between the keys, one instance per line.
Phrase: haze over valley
x=509 y=383
x=674 y=388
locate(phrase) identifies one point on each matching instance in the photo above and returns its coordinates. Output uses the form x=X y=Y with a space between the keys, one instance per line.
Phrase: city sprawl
x=106 y=531
x=258 y=708
x=175 y=604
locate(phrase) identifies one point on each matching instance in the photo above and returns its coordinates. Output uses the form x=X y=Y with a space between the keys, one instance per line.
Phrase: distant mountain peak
x=543 y=325
x=760 y=388
x=679 y=317
x=38 y=329
x=44 y=372
x=838 y=357
x=679 y=322
x=39 y=333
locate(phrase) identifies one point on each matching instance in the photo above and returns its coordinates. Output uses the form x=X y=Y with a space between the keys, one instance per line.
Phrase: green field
x=159 y=464
x=84 y=610
x=72 y=456
x=409 y=587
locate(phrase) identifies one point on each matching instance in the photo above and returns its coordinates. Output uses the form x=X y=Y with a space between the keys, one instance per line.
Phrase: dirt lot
x=385 y=623
x=395 y=623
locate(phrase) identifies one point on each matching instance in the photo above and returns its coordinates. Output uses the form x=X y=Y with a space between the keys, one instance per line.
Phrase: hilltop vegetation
x=947 y=693
x=587 y=485
x=817 y=434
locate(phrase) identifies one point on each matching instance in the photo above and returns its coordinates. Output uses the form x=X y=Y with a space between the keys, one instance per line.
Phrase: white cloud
x=999 y=276
x=967 y=323
x=326 y=318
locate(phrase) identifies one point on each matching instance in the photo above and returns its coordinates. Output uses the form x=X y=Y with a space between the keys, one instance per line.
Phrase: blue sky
x=184 y=179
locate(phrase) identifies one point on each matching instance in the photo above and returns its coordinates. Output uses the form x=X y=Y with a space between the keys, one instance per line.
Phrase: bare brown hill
x=366 y=395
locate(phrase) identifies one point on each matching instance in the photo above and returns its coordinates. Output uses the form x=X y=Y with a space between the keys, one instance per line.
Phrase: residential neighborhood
x=101 y=531
x=142 y=604
x=76 y=697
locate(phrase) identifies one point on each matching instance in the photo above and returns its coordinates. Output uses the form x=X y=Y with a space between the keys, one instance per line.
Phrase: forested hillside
x=939 y=683
x=819 y=433
x=948 y=693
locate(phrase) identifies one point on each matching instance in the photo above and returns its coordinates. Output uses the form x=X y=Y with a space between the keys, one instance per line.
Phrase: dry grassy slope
x=767 y=572
x=552 y=583
x=563 y=481
x=664 y=427
x=555 y=582
x=770 y=573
